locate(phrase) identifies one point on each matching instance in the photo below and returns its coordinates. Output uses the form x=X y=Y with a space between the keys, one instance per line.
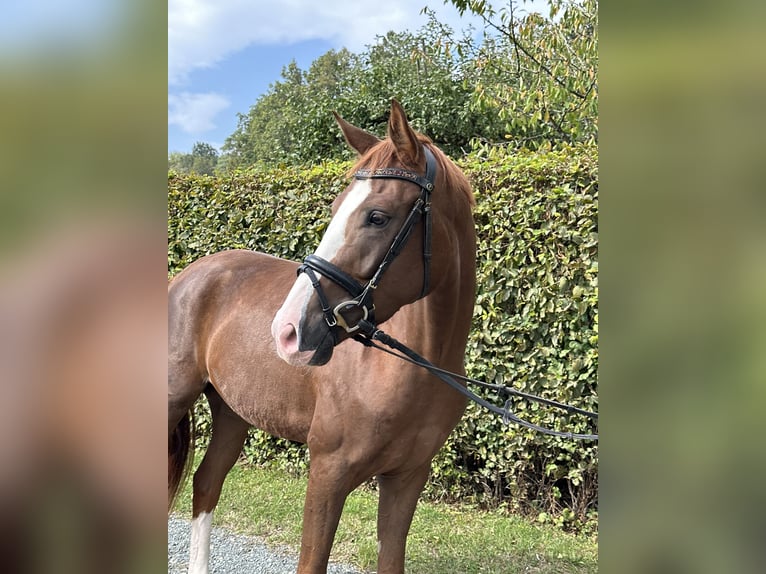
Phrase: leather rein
x=365 y=330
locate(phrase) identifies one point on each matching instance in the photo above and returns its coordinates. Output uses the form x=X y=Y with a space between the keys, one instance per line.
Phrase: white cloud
x=194 y=113
x=204 y=32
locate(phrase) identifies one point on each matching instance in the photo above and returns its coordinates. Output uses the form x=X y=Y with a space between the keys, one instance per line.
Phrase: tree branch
x=510 y=33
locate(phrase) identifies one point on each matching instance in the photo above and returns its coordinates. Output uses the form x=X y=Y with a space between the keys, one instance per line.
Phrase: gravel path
x=232 y=553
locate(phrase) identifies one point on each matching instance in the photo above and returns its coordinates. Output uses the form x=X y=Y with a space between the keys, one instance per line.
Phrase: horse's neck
x=438 y=325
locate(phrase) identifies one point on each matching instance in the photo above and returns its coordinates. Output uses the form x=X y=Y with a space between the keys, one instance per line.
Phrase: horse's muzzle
x=307 y=347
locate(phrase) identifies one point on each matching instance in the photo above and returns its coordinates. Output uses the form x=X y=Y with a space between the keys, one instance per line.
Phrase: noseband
x=361 y=295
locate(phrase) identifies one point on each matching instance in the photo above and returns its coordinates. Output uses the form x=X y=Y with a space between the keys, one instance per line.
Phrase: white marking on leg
x=199 y=549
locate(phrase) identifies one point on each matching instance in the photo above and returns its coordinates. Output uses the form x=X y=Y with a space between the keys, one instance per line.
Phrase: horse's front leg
x=399 y=495
x=328 y=488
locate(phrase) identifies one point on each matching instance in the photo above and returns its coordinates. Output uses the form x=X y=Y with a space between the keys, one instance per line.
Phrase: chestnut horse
x=272 y=351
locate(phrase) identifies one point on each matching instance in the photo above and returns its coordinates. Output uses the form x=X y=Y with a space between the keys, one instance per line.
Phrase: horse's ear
x=402 y=135
x=357 y=138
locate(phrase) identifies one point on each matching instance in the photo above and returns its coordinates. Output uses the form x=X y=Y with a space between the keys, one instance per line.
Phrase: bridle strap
x=401 y=240
x=425 y=182
x=361 y=296
x=426 y=246
x=326 y=309
x=333 y=273
x=422 y=206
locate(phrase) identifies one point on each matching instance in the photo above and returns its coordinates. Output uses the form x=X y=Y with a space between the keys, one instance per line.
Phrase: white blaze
x=335 y=235
x=332 y=241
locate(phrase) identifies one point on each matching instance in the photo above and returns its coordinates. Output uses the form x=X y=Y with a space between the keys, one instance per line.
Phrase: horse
x=276 y=351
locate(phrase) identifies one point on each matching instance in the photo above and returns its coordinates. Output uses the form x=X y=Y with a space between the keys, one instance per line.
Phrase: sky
x=224 y=54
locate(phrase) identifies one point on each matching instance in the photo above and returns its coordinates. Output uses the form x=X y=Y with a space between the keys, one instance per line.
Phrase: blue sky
x=205 y=106
x=224 y=54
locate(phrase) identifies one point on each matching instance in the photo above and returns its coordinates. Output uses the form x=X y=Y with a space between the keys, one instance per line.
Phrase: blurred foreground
x=82 y=287
x=682 y=376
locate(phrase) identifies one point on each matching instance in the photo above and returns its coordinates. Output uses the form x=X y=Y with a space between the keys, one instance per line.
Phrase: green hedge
x=535 y=320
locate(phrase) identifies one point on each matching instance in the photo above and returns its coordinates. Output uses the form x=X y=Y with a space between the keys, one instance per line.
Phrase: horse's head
x=365 y=250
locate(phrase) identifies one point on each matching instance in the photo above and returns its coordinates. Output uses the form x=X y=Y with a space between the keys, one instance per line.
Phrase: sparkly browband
x=396 y=173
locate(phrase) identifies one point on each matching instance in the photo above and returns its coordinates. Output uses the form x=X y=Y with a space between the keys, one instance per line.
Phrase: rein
x=366 y=331
x=369 y=333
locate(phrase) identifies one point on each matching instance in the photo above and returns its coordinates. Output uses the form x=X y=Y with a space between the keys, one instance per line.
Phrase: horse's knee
x=206 y=491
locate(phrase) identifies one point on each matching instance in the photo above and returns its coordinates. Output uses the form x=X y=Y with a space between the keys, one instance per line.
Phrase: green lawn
x=444 y=539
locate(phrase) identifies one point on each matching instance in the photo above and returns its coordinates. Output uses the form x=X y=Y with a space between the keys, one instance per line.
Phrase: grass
x=443 y=538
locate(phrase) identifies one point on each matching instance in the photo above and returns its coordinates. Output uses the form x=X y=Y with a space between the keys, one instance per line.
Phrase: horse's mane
x=383 y=155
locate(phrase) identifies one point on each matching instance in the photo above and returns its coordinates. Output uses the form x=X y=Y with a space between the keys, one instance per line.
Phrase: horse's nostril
x=287 y=343
x=288 y=338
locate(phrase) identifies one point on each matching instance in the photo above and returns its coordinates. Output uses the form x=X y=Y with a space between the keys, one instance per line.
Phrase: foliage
x=536 y=329
x=536 y=74
x=531 y=80
x=292 y=123
x=284 y=126
x=203 y=160
x=535 y=319
x=272 y=210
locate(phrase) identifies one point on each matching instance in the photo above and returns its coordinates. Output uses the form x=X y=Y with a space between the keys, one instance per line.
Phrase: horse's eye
x=378 y=219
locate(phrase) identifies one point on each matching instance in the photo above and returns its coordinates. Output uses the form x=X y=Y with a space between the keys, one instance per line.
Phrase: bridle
x=361 y=295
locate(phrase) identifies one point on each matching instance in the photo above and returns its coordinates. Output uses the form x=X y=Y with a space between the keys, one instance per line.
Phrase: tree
x=292 y=123
x=537 y=74
x=427 y=79
x=202 y=160
x=180 y=162
x=530 y=81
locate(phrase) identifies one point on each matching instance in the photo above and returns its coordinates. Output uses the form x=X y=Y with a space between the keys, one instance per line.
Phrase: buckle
x=340 y=320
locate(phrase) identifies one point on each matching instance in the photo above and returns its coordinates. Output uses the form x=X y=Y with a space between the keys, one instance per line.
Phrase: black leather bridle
x=361 y=295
